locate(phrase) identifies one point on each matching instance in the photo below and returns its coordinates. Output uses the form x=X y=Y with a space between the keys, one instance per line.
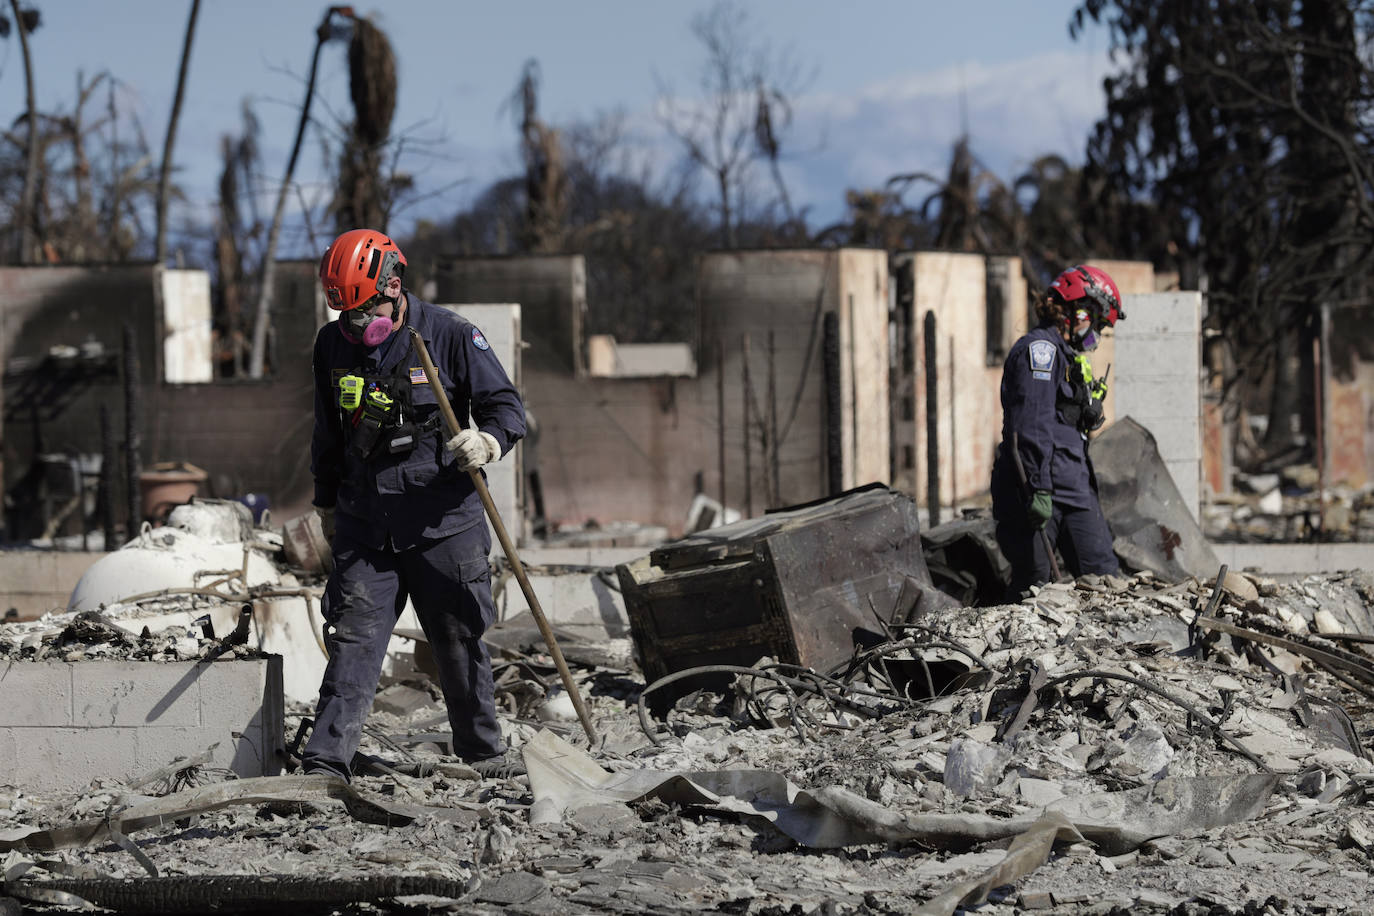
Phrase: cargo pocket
x=475 y=576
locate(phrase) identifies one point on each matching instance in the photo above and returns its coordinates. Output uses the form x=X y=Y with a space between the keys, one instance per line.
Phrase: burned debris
x=1142 y=743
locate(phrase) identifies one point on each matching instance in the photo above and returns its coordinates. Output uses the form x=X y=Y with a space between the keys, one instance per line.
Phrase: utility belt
x=380 y=413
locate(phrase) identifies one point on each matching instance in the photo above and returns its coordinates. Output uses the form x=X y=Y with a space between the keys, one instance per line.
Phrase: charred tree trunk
x=25 y=240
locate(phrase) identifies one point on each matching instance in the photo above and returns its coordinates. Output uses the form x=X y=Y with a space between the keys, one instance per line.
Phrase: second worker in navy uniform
x=396 y=500
x=1050 y=403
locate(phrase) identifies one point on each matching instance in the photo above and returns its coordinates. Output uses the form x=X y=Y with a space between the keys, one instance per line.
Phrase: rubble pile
x=1289 y=506
x=1111 y=745
x=85 y=635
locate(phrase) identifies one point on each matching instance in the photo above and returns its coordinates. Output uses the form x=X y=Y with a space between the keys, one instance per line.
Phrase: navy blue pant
x=1081 y=534
x=448 y=581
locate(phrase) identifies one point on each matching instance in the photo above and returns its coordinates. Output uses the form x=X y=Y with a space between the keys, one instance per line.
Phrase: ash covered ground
x=995 y=760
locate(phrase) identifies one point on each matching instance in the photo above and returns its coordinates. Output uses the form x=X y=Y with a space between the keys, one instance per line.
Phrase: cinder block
x=173 y=709
x=135 y=694
x=65 y=759
x=35 y=694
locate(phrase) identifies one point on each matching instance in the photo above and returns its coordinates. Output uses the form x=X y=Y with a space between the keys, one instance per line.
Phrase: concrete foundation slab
x=66 y=723
x=1278 y=559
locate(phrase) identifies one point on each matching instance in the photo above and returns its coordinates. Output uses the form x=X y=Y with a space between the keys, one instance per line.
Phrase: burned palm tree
x=240 y=157
x=363 y=196
x=546 y=180
x=26 y=20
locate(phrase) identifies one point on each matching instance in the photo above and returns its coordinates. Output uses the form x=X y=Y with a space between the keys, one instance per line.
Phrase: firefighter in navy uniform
x=1051 y=402
x=396 y=501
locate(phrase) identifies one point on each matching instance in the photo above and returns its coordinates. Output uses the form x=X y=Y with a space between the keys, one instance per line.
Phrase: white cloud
x=1016 y=111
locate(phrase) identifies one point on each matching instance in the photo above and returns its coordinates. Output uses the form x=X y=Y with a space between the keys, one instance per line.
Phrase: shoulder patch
x=1041 y=359
x=417 y=375
x=479 y=341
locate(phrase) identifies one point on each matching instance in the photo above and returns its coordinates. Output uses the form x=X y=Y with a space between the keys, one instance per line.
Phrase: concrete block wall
x=65 y=723
x=1132 y=278
x=35 y=582
x=1156 y=377
x=551 y=291
x=864 y=383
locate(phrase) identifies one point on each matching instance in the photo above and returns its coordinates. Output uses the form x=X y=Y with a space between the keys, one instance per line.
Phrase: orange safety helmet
x=356 y=267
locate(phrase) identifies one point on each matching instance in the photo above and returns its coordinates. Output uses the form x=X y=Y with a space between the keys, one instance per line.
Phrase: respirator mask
x=363 y=325
x=1085 y=339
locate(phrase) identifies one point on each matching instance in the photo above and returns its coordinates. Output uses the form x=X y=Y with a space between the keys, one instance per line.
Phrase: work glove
x=326 y=515
x=472 y=448
x=1040 y=508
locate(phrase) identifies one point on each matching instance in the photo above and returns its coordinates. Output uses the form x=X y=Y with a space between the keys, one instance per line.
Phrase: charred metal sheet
x=965 y=561
x=1152 y=528
x=802 y=585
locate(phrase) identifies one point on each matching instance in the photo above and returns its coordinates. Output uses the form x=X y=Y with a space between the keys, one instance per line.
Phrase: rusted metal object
x=802 y=585
x=305 y=545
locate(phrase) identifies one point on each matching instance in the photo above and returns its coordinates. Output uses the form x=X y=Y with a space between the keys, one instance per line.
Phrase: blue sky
x=890 y=80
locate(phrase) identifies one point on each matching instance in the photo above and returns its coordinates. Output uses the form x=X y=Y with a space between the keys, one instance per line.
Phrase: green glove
x=1040 y=508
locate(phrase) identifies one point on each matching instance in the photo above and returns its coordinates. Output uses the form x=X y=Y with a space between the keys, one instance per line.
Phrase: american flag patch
x=417 y=375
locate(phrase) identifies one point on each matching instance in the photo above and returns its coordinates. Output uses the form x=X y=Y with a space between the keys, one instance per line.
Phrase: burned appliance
x=802 y=585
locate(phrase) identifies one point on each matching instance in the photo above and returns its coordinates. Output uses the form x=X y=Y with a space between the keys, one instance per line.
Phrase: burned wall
x=635 y=449
x=61 y=337
x=253 y=436
x=248 y=435
x=1349 y=414
x=763 y=317
x=551 y=291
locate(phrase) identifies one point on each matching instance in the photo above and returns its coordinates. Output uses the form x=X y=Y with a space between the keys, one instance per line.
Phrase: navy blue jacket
x=1037 y=388
x=409 y=497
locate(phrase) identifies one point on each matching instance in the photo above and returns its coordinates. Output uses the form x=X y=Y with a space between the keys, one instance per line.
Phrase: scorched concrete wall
x=633 y=449
x=743 y=298
x=1348 y=417
x=551 y=291
x=250 y=436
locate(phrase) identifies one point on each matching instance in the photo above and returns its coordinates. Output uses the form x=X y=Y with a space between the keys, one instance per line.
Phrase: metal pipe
x=720 y=420
x=105 y=490
x=834 y=454
x=748 y=469
x=133 y=443
x=932 y=423
x=775 y=485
